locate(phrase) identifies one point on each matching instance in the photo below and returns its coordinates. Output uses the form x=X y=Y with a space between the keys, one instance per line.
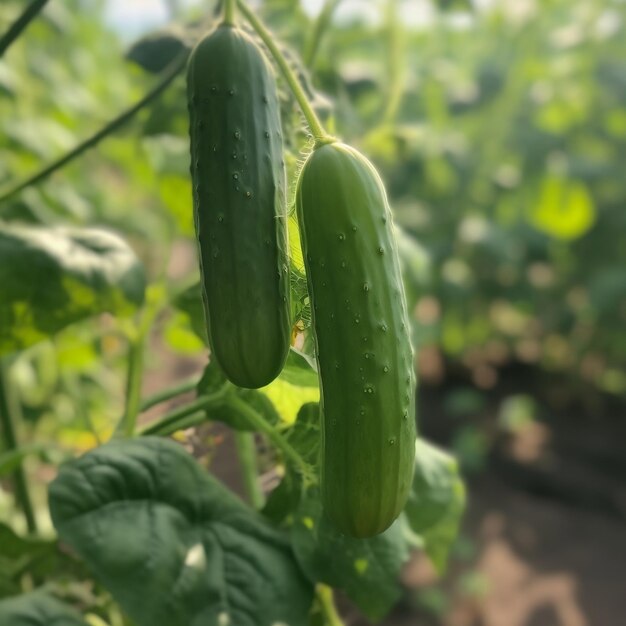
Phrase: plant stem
x=326 y=601
x=229 y=12
x=171 y=420
x=319 y=28
x=169 y=75
x=320 y=135
x=246 y=451
x=182 y=423
x=20 y=24
x=167 y=394
x=395 y=69
x=134 y=378
x=9 y=412
x=258 y=423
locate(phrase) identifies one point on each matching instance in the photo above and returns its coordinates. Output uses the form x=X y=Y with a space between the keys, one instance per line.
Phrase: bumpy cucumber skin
x=238 y=177
x=361 y=328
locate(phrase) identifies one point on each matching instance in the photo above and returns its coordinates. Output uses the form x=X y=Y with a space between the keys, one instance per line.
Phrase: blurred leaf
x=11 y=460
x=168 y=154
x=298 y=370
x=288 y=398
x=304 y=436
x=38 y=608
x=217 y=559
x=179 y=335
x=283 y=499
x=565 y=209
x=415 y=262
x=52 y=277
x=155 y=51
x=37 y=557
x=517 y=412
x=190 y=302
x=436 y=502
x=366 y=569
x=175 y=192
x=464 y=402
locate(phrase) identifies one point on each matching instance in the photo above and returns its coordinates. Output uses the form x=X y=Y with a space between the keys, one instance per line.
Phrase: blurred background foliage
x=500 y=131
x=499 y=128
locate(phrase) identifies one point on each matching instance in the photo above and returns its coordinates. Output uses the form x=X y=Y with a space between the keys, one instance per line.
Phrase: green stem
x=133 y=385
x=319 y=29
x=20 y=24
x=170 y=74
x=170 y=423
x=319 y=134
x=229 y=12
x=184 y=387
x=395 y=50
x=9 y=413
x=246 y=451
x=183 y=423
x=259 y=424
x=326 y=601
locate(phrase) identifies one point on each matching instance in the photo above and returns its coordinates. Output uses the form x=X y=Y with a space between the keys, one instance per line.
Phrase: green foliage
x=503 y=161
x=29 y=555
x=38 y=609
x=50 y=278
x=155 y=51
x=172 y=544
x=366 y=569
x=436 y=502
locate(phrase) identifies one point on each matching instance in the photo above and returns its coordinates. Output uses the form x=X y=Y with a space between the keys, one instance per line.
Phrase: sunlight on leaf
x=565 y=209
x=288 y=398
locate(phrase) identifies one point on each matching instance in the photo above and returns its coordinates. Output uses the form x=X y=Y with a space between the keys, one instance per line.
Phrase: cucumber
x=238 y=177
x=361 y=327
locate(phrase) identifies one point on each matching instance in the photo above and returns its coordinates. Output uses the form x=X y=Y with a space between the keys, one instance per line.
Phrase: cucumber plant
x=346 y=464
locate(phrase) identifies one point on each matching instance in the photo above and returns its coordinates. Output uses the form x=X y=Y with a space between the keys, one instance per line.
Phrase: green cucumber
x=361 y=326
x=238 y=177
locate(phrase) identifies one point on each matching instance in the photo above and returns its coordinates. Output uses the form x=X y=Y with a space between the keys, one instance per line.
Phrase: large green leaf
x=174 y=547
x=436 y=502
x=38 y=609
x=52 y=277
x=366 y=569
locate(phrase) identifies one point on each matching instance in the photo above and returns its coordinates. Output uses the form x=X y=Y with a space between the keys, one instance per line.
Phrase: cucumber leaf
x=366 y=569
x=52 y=277
x=171 y=543
x=436 y=502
